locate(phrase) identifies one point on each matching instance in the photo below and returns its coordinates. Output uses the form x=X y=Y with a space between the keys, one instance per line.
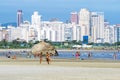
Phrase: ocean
x=104 y=55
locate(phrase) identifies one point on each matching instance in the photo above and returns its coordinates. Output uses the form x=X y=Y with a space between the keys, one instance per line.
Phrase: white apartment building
x=74 y=28
x=25 y=26
x=36 y=25
x=14 y=33
x=17 y=33
x=35 y=18
x=97 y=27
x=68 y=32
x=117 y=33
x=32 y=34
x=1 y=35
x=55 y=30
x=76 y=32
x=112 y=34
x=25 y=34
x=58 y=31
x=84 y=22
x=49 y=34
x=109 y=34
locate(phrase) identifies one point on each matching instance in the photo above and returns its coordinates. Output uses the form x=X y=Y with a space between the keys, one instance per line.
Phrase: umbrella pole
x=40 y=58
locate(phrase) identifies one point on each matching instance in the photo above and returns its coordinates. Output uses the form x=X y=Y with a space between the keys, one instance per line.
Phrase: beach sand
x=59 y=70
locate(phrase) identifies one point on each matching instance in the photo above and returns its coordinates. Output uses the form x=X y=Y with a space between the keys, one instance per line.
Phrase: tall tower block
x=19 y=17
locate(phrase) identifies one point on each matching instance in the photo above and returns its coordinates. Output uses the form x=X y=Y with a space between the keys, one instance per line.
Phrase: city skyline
x=91 y=28
x=50 y=9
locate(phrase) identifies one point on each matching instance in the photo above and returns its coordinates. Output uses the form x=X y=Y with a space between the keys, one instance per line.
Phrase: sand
x=59 y=70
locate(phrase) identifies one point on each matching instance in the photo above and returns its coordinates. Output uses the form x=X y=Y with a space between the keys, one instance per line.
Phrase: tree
x=79 y=42
x=117 y=43
x=30 y=43
x=36 y=42
x=4 y=43
x=107 y=44
x=74 y=41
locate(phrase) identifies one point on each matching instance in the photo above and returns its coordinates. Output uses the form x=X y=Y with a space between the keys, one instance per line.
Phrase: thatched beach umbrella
x=43 y=47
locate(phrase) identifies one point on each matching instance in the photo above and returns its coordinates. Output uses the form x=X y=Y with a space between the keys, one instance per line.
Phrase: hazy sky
x=58 y=9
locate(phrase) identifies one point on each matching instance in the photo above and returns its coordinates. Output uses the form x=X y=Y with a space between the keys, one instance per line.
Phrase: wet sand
x=23 y=69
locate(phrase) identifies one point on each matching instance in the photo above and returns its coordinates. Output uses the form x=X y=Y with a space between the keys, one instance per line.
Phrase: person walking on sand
x=115 y=56
x=89 y=55
x=77 y=55
x=40 y=57
x=14 y=57
x=48 y=57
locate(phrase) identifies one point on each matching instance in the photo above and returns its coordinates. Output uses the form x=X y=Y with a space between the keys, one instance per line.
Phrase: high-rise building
x=74 y=17
x=19 y=17
x=35 y=18
x=117 y=33
x=36 y=24
x=109 y=34
x=68 y=33
x=84 y=22
x=97 y=24
x=14 y=33
x=53 y=31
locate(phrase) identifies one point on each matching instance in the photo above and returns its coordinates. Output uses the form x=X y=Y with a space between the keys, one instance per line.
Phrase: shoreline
x=62 y=62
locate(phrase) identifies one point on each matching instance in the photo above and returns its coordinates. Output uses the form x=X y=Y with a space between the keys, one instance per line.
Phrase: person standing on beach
x=14 y=57
x=48 y=57
x=89 y=55
x=77 y=54
x=8 y=55
x=115 y=56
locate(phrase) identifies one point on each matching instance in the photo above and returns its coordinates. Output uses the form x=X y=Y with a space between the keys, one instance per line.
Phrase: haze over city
x=60 y=9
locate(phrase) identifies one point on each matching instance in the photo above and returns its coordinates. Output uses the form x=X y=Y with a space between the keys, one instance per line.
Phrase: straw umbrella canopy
x=43 y=47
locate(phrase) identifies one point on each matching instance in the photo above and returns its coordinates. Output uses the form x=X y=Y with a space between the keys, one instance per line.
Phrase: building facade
x=36 y=25
x=97 y=27
x=19 y=17
x=74 y=17
x=84 y=22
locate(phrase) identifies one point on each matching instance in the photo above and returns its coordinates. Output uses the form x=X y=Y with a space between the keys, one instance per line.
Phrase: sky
x=60 y=9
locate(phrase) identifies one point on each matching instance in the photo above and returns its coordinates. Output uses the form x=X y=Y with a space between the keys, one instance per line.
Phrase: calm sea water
x=71 y=54
x=94 y=54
